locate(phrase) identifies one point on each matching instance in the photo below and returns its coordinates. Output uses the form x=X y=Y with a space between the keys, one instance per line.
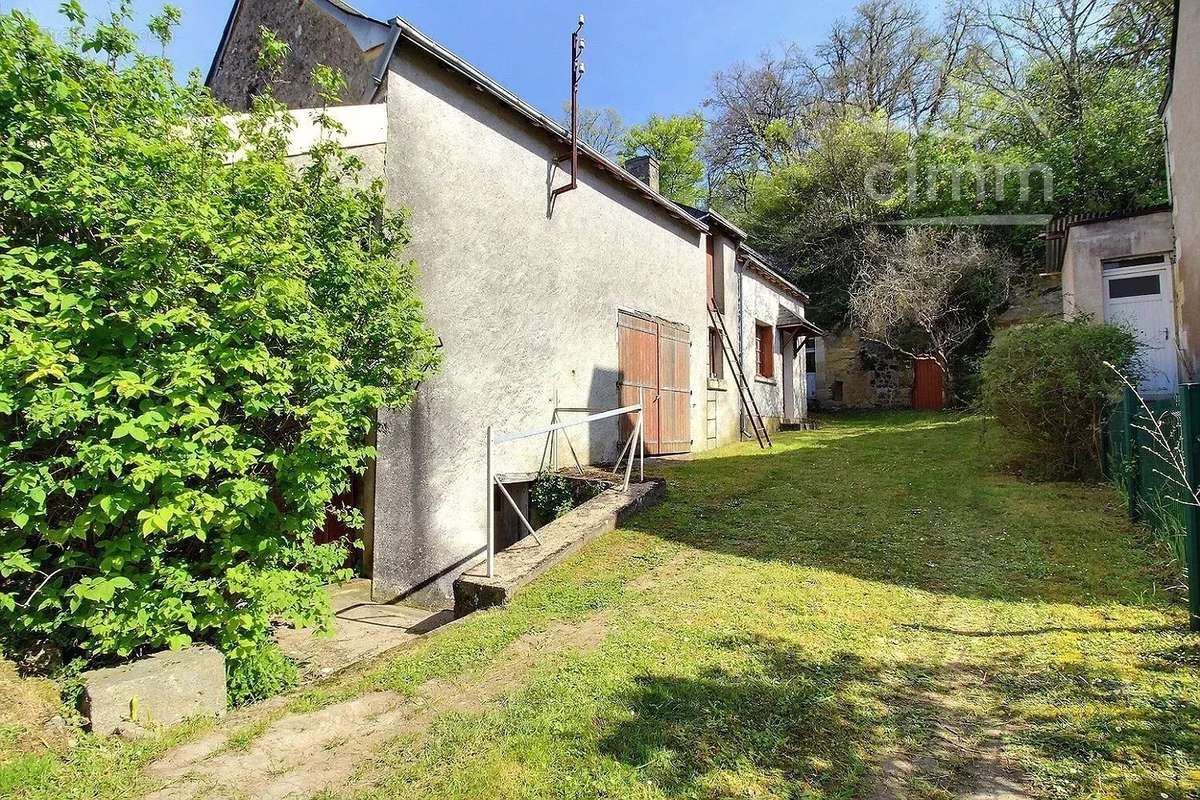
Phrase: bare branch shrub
x=927 y=292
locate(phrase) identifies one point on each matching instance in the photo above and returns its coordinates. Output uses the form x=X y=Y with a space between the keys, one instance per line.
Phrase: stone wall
x=1041 y=298
x=853 y=374
x=313 y=37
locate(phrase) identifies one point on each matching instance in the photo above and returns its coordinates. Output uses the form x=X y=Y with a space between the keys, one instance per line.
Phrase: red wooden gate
x=928 y=392
x=652 y=361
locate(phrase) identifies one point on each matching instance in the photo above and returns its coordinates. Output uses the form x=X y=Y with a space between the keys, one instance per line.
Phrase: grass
x=788 y=624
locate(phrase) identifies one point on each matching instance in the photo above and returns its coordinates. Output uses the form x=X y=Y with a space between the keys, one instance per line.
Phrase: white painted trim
x=365 y=125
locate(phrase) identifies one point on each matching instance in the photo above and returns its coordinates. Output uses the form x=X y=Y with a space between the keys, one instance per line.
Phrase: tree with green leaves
x=900 y=115
x=194 y=334
x=675 y=141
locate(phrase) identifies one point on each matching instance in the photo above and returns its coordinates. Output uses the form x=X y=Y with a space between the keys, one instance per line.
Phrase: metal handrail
x=637 y=438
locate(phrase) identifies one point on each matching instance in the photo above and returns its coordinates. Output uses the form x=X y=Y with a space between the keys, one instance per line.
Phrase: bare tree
x=600 y=128
x=886 y=59
x=761 y=114
x=1077 y=41
x=927 y=292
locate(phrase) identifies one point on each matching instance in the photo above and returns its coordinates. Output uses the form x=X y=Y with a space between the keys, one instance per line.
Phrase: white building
x=591 y=299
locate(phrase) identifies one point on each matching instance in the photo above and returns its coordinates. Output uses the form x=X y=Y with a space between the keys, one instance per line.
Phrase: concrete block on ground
x=163 y=689
x=524 y=561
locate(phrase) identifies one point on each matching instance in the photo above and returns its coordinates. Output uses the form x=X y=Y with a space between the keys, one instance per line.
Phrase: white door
x=1141 y=299
x=788 y=356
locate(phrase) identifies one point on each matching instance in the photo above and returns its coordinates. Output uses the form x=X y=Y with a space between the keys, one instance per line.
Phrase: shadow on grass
x=910 y=500
x=771 y=720
x=785 y=719
x=1048 y=630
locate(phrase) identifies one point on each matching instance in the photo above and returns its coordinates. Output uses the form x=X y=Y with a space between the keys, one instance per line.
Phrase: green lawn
x=867 y=610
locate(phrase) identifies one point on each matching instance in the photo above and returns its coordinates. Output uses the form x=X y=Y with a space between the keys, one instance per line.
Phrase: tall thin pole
x=642 y=435
x=576 y=74
x=491 y=522
x=1189 y=412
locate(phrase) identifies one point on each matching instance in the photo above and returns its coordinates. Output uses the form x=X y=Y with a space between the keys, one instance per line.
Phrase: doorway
x=929 y=391
x=787 y=352
x=653 y=366
x=1141 y=298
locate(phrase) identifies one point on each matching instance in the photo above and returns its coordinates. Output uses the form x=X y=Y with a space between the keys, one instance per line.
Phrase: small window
x=1132 y=261
x=1141 y=286
x=764 y=340
x=810 y=356
x=716 y=355
x=837 y=391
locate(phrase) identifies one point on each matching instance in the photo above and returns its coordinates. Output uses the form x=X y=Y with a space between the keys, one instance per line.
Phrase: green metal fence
x=1151 y=479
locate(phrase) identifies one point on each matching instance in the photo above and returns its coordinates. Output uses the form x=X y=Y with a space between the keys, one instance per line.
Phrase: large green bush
x=193 y=336
x=1047 y=384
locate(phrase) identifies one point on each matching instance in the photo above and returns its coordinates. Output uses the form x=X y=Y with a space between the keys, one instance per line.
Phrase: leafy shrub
x=554 y=495
x=551 y=495
x=1047 y=384
x=194 y=333
x=258 y=675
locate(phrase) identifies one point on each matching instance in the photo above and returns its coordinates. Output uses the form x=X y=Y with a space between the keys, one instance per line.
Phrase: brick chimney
x=645 y=169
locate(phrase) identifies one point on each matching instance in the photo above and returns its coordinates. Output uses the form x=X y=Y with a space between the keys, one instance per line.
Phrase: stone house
x=589 y=299
x=849 y=373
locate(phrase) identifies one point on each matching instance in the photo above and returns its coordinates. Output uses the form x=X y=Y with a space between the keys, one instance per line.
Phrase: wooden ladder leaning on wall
x=739 y=378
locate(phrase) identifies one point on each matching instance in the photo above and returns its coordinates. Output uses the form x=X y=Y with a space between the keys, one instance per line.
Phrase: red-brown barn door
x=637 y=378
x=928 y=393
x=674 y=393
x=652 y=360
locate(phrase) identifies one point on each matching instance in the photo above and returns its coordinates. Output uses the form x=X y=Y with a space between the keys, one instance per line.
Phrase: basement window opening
x=542 y=498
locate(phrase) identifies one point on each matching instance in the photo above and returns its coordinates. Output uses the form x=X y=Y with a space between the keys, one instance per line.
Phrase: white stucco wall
x=725 y=403
x=1088 y=245
x=760 y=304
x=526 y=305
x=1182 y=120
x=524 y=297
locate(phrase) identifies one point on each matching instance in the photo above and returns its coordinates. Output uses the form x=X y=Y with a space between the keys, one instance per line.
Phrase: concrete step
x=525 y=560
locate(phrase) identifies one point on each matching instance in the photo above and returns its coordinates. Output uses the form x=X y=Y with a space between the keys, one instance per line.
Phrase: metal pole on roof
x=576 y=73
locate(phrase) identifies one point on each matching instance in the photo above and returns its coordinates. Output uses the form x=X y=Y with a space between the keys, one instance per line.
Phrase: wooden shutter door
x=637 y=378
x=653 y=358
x=928 y=393
x=674 y=390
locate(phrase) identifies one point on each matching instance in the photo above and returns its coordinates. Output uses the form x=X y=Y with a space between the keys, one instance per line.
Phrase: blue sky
x=641 y=57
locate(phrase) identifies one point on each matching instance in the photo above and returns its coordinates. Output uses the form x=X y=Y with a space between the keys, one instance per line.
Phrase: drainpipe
x=381 y=63
x=741 y=345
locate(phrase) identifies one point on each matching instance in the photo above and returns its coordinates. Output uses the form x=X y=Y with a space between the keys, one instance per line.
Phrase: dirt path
x=302 y=754
x=964 y=756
